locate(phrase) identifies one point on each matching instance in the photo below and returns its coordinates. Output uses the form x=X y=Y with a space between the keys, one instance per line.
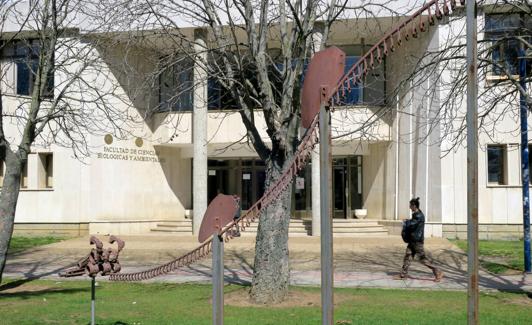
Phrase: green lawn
x=20 y=243
x=67 y=302
x=498 y=256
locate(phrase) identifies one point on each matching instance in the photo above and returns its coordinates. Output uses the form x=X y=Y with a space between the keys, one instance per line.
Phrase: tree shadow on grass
x=26 y=294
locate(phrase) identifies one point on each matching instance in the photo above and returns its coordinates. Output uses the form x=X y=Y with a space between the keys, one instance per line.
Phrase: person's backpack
x=405 y=233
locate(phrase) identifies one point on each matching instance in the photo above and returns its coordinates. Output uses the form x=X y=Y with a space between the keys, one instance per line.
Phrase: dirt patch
x=522 y=300
x=296 y=298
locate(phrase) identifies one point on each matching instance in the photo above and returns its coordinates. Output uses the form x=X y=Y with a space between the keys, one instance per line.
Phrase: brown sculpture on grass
x=99 y=260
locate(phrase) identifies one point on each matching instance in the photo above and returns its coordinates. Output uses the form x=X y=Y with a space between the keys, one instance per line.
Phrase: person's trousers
x=412 y=250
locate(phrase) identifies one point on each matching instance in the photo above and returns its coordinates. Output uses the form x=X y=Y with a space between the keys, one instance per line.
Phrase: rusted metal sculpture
x=408 y=28
x=99 y=260
x=223 y=210
x=220 y=212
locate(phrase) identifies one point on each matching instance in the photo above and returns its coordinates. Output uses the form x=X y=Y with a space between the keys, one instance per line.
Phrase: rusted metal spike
x=422 y=24
x=406 y=34
x=385 y=47
x=437 y=11
x=399 y=38
x=414 y=30
x=431 y=17
x=379 y=55
x=453 y=4
x=445 y=8
x=371 y=61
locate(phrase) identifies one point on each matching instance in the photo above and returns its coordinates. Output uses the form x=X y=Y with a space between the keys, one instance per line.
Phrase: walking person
x=414 y=235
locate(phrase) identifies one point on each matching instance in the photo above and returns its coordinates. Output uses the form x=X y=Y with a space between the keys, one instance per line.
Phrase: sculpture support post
x=327 y=277
x=472 y=165
x=217 y=280
x=93 y=300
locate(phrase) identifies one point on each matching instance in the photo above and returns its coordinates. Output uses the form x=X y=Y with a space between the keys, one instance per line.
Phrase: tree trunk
x=271 y=270
x=8 y=205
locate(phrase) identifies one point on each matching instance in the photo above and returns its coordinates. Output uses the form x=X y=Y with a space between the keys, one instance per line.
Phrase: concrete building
x=180 y=157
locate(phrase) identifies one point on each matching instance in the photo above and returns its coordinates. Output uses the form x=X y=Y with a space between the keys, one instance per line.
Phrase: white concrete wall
x=498 y=204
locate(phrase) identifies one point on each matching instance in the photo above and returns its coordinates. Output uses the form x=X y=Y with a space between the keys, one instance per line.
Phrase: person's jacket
x=416 y=227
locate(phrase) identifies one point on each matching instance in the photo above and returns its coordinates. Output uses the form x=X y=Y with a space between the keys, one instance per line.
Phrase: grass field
x=68 y=302
x=499 y=256
x=20 y=243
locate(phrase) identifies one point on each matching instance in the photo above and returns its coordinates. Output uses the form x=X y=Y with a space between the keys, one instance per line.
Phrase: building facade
x=190 y=148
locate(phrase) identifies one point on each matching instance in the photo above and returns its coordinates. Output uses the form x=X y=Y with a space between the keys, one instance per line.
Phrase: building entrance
x=246 y=179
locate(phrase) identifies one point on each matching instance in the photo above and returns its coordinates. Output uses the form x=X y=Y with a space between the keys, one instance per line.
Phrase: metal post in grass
x=93 y=300
x=472 y=164
x=327 y=278
x=217 y=279
x=524 y=159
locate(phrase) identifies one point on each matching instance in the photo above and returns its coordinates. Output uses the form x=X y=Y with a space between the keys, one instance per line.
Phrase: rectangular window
x=49 y=171
x=219 y=97
x=46 y=170
x=1 y=173
x=24 y=176
x=25 y=57
x=504 y=32
x=496 y=164
x=176 y=89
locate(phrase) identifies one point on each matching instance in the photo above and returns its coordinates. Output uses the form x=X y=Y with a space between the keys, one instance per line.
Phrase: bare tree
x=261 y=78
x=506 y=28
x=62 y=92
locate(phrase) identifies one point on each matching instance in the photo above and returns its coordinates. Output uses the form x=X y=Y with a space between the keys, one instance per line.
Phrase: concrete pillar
x=316 y=229
x=317 y=37
x=199 y=134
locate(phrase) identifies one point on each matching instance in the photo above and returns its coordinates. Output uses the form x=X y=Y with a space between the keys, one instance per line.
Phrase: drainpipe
x=524 y=160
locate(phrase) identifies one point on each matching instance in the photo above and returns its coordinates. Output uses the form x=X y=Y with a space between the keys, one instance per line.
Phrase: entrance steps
x=180 y=227
x=358 y=228
x=297 y=228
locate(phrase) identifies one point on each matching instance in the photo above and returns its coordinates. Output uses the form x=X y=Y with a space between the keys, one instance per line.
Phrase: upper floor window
x=371 y=92
x=503 y=32
x=176 y=86
x=496 y=164
x=20 y=61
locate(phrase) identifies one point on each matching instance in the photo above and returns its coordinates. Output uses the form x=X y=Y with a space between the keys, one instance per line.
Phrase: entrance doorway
x=347 y=186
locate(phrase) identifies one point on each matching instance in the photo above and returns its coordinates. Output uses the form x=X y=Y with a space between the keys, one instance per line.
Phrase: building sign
x=118 y=153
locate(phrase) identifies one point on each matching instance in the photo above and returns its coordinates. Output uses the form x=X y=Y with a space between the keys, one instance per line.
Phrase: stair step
x=297 y=227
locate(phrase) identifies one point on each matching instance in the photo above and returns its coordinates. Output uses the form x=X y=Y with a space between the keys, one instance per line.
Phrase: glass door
x=340 y=188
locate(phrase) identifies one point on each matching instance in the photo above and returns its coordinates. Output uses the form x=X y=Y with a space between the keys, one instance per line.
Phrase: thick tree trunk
x=272 y=273
x=8 y=204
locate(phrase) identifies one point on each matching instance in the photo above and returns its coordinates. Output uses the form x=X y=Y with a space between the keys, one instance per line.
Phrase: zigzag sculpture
x=410 y=27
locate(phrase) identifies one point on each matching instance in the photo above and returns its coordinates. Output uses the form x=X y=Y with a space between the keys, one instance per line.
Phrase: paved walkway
x=359 y=262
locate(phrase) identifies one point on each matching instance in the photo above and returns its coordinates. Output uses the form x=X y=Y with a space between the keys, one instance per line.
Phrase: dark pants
x=412 y=250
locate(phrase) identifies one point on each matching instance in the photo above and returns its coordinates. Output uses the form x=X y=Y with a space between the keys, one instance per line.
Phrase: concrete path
x=359 y=262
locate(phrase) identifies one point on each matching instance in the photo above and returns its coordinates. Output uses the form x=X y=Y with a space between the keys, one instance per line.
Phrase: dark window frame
x=182 y=73
x=497 y=164
x=25 y=56
x=500 y=31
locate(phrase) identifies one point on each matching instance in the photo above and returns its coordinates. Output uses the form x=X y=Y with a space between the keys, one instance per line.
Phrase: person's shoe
x=438 y=276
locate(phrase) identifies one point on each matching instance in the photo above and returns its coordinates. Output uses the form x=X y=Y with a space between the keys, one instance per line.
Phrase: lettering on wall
x=129 y=154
